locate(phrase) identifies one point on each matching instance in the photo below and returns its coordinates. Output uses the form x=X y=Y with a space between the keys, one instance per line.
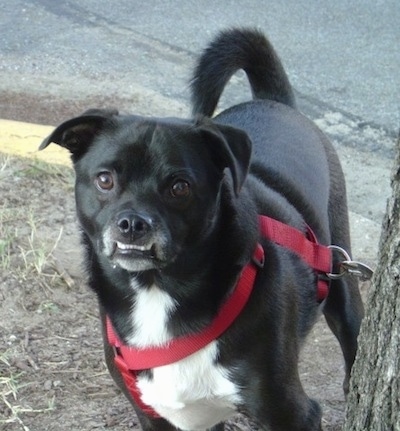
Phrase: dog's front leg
x=343 y=312
x=285 y=418
x=280 y=404
x=219 y=427
x=150 y=424
x=153 y=424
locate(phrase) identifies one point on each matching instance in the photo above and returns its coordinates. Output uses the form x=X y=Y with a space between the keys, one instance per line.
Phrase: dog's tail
x=235 y=49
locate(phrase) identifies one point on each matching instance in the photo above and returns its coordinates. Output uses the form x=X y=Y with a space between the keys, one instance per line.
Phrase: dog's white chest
x=194 y=393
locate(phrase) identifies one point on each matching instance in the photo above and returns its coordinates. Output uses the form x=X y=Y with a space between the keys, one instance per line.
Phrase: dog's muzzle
x=133 y=242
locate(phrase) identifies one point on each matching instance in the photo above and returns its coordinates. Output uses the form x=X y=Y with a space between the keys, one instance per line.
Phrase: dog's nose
x=129 y=222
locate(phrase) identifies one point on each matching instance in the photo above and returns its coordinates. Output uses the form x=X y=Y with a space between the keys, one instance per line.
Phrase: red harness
x=129 y=360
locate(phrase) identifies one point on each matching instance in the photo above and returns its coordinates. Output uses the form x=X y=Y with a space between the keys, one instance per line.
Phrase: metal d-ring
x=349 y=266
x=347 y=258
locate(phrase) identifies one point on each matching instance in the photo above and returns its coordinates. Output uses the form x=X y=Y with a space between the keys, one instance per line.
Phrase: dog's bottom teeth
x=136 y=251
x=127 y=247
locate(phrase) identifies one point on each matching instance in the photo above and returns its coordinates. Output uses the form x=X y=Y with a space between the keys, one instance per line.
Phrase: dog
x=170 y=215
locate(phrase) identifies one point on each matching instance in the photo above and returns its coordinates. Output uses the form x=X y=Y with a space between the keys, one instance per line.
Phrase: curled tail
x=230 y=51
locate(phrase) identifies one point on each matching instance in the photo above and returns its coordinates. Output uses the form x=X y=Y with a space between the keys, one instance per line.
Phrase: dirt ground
x=52 y=372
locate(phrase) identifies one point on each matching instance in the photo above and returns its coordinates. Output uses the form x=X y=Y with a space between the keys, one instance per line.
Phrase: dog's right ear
x=77 y=134
x=230 y=148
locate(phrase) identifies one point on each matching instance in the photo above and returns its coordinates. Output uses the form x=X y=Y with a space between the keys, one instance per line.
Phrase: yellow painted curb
x=23 y=139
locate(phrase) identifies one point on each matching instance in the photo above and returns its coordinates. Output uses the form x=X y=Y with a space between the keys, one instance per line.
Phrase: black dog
x=169 y=210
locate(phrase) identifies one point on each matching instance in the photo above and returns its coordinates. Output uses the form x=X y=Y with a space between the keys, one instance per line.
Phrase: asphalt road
x=342 y=58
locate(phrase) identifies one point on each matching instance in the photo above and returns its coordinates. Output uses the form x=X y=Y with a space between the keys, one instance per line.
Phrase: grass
x=36 y=253
x=5 y=259
x=8 y=234
x=10 y=387
x=27 y=256
x=38 y=169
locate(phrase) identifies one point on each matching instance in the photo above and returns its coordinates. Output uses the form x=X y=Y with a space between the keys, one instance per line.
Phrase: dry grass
x=25 y=254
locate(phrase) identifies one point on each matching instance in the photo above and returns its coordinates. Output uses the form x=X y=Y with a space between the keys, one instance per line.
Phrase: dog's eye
x=104 y=181
x=180 y=189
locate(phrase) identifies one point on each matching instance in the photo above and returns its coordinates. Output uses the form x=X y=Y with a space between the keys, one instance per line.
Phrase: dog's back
x=233 y=50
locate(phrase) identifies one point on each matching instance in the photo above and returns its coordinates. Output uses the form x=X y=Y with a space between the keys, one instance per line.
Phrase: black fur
x=260 y=157
x=233 y=50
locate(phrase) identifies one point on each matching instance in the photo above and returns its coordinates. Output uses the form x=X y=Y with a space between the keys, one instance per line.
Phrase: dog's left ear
x=78 y=133
x=230 y=147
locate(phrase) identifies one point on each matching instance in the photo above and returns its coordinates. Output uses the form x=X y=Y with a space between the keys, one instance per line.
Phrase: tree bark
x=374 y=398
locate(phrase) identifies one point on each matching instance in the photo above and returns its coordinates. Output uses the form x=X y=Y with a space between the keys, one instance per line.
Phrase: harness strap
x=317 y=256
x=129 y=360
x=130 y=380
x=181 y=347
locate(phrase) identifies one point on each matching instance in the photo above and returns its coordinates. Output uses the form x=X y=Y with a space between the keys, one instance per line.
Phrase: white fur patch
x=149 y=316
x=194 y=393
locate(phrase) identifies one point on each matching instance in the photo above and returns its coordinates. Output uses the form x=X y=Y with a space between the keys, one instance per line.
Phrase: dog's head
x=149 y=189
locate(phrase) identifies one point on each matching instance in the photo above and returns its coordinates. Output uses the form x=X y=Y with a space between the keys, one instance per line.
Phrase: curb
x=23 y=140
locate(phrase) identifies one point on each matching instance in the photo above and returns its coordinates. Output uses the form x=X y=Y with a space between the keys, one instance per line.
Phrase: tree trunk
x=374 y=399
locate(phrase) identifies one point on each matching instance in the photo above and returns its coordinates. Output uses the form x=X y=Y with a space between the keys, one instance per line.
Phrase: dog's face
x=147 y=190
